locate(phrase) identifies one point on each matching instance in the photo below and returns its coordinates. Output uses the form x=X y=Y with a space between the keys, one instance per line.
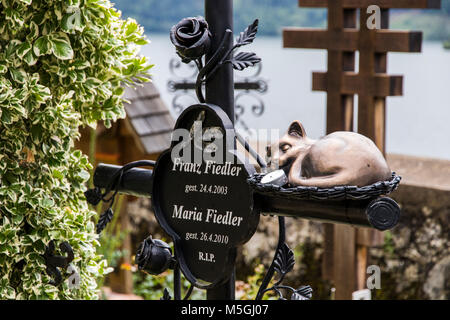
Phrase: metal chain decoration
x=191 y=38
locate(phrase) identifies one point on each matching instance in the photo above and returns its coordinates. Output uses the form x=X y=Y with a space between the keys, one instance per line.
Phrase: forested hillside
x=159 y=15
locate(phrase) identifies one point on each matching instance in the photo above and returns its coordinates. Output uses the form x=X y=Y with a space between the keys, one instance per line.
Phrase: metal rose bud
x=154 y=256
x=191 y=38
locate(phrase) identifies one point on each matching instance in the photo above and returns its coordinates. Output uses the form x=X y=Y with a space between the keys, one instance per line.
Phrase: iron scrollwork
x=154 y=256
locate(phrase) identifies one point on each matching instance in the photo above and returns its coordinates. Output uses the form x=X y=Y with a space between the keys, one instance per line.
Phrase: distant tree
x=160 y=15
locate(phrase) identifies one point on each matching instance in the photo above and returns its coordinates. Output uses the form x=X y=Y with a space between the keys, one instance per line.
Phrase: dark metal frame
x=139 y=182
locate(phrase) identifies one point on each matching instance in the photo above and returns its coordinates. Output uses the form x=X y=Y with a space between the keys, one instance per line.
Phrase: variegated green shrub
x=62 y=64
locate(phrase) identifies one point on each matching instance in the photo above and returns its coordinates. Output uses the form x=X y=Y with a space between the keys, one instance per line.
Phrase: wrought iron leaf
x=104 y=219
x=302 y=293
x=248 y=35
x=244 y=60
x=285 y=260
x=166 y=295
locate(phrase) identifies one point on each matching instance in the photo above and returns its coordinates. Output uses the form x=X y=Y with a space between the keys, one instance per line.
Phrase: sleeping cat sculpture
x=337 y=159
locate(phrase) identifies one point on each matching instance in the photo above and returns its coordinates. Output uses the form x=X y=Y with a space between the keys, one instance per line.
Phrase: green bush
x=152 y=287
x=63 y=64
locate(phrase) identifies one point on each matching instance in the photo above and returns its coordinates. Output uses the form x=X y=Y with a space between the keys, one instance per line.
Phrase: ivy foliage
x=63 y=64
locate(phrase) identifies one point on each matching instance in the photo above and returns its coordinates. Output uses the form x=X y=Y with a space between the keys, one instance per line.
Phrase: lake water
x=417 y=122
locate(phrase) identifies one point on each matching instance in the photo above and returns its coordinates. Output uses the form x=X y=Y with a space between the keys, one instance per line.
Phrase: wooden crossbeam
x=378 y=85
x=384 y=4
x=350 y=39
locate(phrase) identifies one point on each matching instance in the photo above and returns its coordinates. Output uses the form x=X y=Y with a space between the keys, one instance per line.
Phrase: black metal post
x=225 y=291
x=177 y=283
x=220 y=91
x=220 y=87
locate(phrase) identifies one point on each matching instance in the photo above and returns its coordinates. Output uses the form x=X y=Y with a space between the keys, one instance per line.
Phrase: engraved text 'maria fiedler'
x=210 y=216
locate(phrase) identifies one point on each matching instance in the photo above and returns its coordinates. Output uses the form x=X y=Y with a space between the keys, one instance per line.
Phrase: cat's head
x=289 y=147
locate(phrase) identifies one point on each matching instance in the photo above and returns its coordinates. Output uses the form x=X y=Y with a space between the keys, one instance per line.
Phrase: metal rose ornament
x=191 y=38
x=154 y=256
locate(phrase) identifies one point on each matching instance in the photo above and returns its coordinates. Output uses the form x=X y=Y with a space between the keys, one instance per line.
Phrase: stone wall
x=415 y=260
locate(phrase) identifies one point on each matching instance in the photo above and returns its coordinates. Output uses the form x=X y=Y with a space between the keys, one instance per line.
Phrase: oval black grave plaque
x=201 y=197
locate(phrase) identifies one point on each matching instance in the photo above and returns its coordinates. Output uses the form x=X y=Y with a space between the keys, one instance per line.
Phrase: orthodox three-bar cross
x=346 y=35
x=212 y=208
x=342 y=39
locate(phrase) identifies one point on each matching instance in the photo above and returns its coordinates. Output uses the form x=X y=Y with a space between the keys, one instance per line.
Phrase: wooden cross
x=372 y=85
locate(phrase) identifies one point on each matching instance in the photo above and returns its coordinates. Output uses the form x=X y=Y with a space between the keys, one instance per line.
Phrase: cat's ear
x=296 y=129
